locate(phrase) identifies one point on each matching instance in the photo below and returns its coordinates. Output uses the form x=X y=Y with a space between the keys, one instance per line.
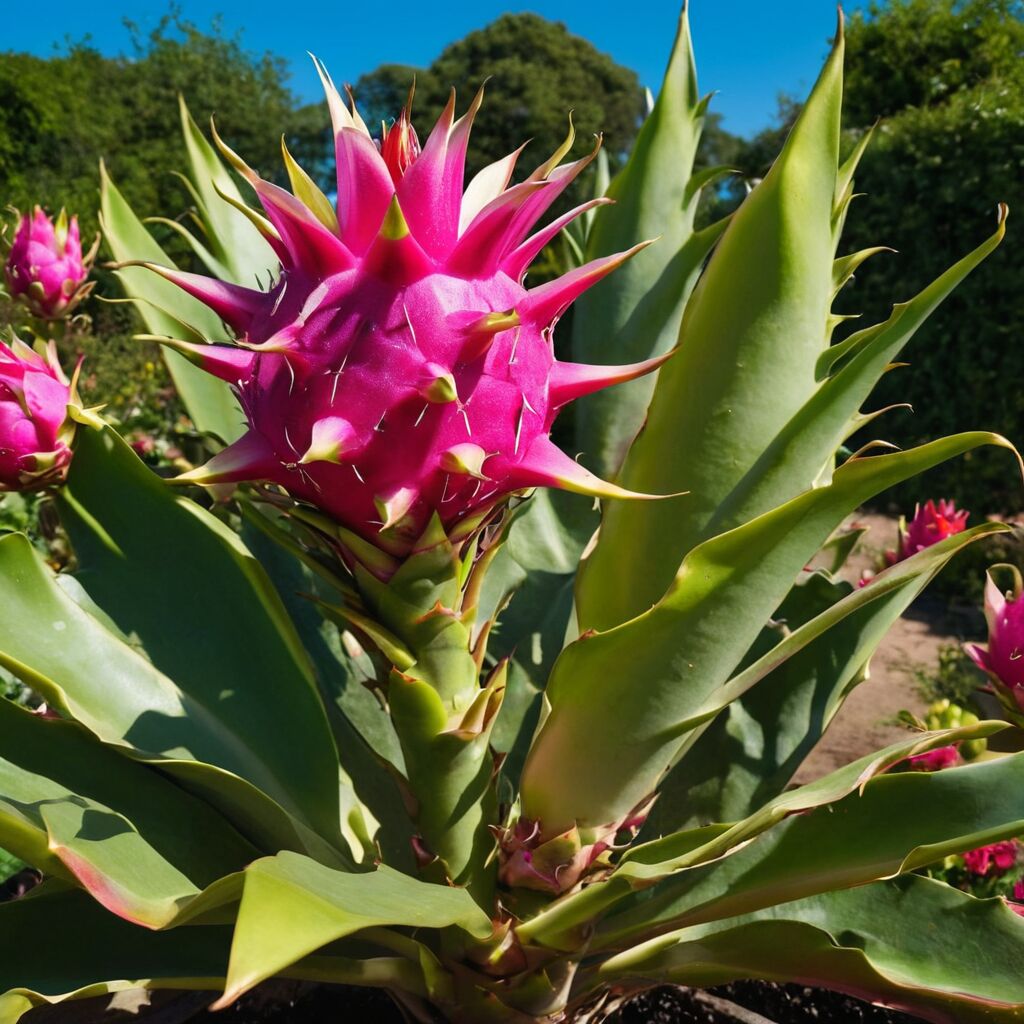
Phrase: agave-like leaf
x=292 y=906
x=913 y=944
x=637 y=315
x=755 y=326
x=170 y=312
x=118 y=828
x=927 y=816
x=90 y=952
x=623 y=700
x=559 y=926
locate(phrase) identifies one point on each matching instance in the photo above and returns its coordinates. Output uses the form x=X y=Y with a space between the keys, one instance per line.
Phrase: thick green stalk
x=441 y=710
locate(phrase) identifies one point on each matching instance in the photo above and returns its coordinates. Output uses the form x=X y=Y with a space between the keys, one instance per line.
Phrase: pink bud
x=929 y=525
x=400 y=147
x=45 y=268
x=34 y=425
x=1004 y=658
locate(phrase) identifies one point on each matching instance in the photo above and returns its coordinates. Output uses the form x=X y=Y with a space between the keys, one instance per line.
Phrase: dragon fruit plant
x=365 y=699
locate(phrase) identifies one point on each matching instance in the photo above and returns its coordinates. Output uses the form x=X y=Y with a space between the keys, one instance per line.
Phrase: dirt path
x=861 y=725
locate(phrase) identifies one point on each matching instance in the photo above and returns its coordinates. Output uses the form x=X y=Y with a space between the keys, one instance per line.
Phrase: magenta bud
x=45 y=268
x=35 y=429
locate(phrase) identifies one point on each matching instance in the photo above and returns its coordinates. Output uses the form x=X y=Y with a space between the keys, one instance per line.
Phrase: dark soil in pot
x=282 y=1002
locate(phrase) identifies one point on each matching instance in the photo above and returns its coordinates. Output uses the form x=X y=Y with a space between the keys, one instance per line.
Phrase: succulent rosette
x=45 y=268
x=1003 y=658
x=398 y=367
x=36 y=418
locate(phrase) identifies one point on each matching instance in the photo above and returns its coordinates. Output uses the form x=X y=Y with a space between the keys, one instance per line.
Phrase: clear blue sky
x=747 y=50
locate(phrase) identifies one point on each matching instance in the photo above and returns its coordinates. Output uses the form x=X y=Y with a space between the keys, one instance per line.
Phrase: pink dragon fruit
x=1003 y=659
x=45 y=268
x=398 y=367
x=929 y=525
x=35 y=425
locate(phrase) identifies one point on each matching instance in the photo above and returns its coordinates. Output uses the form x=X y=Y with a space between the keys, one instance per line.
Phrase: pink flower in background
x=929 y=525
x=1003 y=659
x=35 y=430
x=45 y=268
x=998 y=856
x=934 y=760
x=1017 y=903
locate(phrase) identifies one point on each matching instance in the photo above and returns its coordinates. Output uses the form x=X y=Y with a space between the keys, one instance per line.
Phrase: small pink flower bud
x=929 y=525
x=45 y=268
x=1003 y=659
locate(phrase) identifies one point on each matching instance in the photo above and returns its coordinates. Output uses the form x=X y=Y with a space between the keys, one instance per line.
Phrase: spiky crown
x=398 y=368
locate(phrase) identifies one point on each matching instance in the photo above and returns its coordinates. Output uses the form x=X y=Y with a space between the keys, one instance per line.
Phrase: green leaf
x=751 y=751
x=795 y=458
x=892 y=825
x=132 y=705
x=168 y=311
x=70 y=806
x=754 y=327
x=235 y=242
x=58 y=943
x=912 y=943
x=534 y=573
x=628 y=887
x=621 y=701
x=636 y=314
x=227 y=681
x=292 y=906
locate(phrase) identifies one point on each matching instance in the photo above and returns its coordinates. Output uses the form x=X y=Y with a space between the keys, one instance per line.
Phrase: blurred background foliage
x=946 y=77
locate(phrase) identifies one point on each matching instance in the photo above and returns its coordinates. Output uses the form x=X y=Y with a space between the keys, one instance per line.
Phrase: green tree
x=59 y=116
x=921 y=53
x=538 y=71
x=948 y=78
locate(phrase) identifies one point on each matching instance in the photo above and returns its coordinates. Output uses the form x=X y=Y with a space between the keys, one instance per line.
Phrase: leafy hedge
x=933 y=176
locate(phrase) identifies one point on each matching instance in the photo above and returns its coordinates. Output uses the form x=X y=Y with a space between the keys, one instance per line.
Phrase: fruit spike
x=397 y=368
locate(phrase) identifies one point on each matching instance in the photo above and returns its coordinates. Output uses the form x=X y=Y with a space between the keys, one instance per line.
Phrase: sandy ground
x=862 y=724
